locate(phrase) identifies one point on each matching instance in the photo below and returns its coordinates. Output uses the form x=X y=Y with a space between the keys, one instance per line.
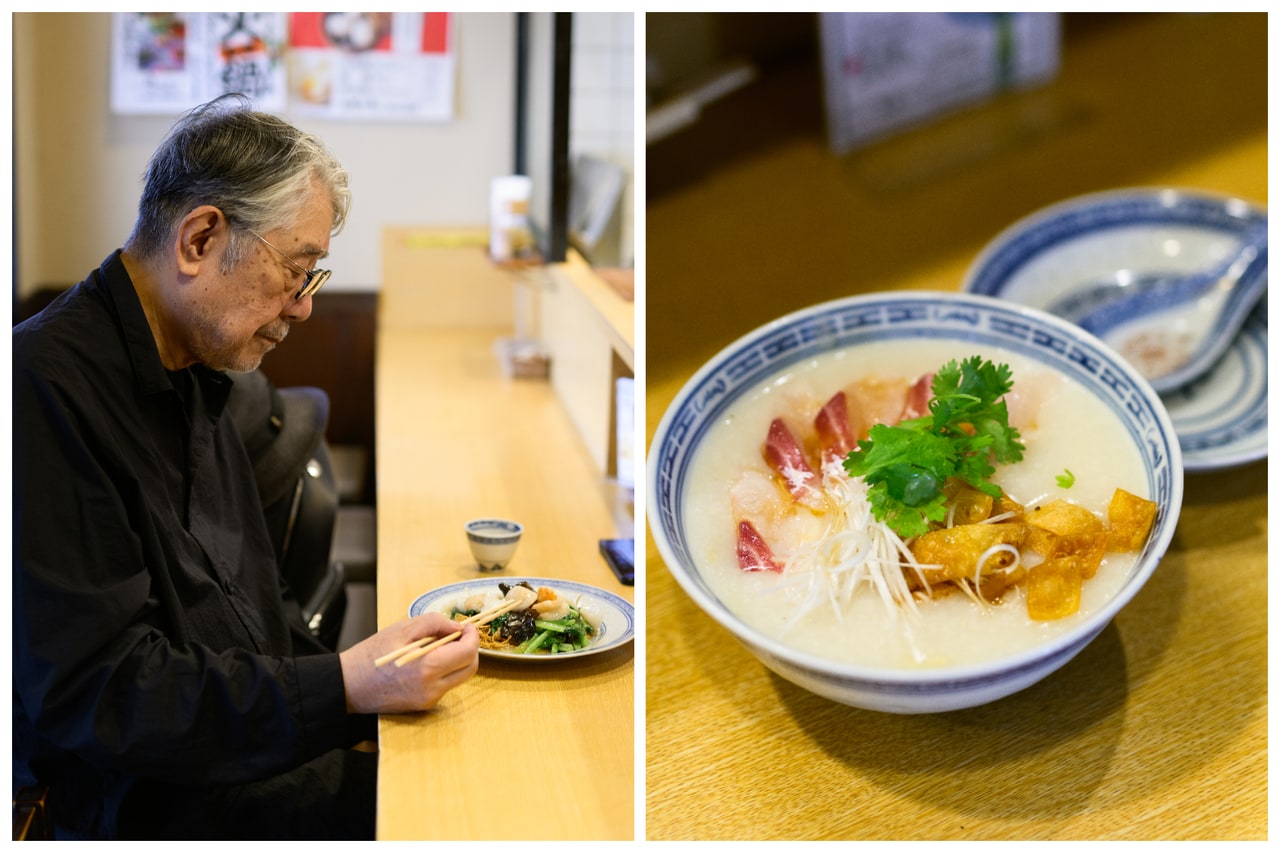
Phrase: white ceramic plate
x=1057 y=253
x=617 y=616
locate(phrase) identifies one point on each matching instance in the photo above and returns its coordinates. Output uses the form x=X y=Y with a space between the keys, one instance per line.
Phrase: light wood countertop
x=539 y=750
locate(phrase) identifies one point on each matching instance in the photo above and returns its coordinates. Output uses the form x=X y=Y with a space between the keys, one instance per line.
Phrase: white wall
x=78 y=167
x=602 y=112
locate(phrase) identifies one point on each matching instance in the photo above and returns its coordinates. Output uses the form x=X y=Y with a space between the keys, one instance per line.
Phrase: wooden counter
x=589 y=331
x=443 y=278
x=523 y=750
x=1158 y=730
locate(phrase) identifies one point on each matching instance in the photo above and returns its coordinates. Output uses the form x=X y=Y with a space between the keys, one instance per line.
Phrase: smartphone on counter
x=620 y=554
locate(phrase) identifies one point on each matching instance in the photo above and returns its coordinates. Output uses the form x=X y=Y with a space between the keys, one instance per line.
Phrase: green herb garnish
x=906 y=465
x=1066 y=479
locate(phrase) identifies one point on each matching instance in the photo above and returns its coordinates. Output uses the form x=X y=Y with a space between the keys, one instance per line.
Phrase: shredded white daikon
x=1003 y=548
x=855 y=554
x=855 y=551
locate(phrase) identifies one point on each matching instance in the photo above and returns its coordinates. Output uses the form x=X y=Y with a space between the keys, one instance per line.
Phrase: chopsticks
x=417 y=649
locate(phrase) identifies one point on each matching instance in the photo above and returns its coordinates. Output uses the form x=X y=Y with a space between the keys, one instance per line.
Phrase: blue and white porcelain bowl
x=1055 y=258
x=966 y=318
x=493 y=542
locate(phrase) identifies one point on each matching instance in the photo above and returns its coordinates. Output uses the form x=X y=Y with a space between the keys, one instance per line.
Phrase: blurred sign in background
x=885 y=71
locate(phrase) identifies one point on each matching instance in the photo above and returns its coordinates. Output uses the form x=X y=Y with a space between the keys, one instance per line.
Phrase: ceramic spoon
x=1175 y=329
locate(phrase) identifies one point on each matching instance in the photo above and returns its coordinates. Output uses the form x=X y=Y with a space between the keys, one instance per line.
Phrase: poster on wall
x=169 y=62
x=372 y=65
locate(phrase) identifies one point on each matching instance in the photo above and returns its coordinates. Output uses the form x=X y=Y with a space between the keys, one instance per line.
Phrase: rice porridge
x=1064 y=429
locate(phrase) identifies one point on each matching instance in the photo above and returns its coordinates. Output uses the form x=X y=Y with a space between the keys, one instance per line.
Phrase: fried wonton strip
x=1086 y=548
x=1065 y=518
x=967 y=504
x=1053 y=588
x=1007 y=506
x=956 y=550
x=1131 y=519
x=993 y=585
x=1063 y=529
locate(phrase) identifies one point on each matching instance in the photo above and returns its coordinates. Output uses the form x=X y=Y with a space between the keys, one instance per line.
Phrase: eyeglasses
x=315 y=279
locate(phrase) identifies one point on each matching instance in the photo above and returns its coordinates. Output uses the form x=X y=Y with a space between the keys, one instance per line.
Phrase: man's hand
x=419 y=684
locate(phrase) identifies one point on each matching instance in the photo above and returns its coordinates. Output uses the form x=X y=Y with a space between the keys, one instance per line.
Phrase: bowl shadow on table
x=1220 y=487
x=975 y=761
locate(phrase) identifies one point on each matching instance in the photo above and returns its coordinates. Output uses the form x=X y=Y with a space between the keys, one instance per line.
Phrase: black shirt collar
x=150 y=375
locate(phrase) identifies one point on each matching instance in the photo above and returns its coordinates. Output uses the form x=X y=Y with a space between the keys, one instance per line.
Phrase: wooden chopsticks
x=418 y=648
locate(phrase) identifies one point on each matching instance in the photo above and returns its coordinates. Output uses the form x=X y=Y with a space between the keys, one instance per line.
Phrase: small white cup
x=493 y=542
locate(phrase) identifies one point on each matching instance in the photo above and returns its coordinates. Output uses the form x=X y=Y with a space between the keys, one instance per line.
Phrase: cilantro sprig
x=906 y=465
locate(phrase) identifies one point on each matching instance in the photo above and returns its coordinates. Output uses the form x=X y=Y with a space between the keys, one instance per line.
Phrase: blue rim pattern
x=1102 y=213
x=926 y=688
x=1244 y=403
x=493 y=531
x=1231 y=428
x=976 y=319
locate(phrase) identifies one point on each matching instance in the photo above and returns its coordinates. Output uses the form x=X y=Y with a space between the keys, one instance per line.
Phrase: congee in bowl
x=914 y=502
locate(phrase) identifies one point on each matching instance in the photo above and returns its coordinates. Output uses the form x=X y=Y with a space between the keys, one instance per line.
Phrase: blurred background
x=752 y=209
x=78 y=165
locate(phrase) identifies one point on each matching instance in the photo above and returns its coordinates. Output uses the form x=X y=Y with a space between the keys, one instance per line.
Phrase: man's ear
x=200 y=234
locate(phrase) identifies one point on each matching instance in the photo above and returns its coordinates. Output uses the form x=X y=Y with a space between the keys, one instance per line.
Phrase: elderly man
x=164 y=684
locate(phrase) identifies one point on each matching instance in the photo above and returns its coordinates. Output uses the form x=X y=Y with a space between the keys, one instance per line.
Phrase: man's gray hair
x=255 y=167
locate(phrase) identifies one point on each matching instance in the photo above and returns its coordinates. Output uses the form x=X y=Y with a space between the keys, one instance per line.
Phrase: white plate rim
x=616 y=609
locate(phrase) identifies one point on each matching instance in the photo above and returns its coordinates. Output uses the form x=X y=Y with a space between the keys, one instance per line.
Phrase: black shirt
x=153 y=644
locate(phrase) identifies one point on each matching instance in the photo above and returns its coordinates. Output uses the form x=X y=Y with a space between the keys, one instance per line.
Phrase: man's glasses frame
x=315 y=279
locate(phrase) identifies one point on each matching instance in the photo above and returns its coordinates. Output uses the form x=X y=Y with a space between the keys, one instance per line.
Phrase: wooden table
x=522 y=750
x=1158 y=730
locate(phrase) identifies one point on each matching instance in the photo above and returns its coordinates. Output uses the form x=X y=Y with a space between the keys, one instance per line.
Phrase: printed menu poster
x=169 y=62
x=372 y=65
